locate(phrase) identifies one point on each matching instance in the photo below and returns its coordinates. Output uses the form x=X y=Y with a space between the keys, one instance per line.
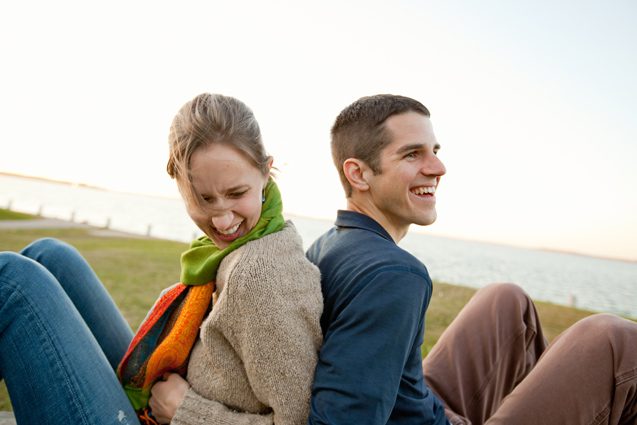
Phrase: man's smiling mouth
x=423 y=190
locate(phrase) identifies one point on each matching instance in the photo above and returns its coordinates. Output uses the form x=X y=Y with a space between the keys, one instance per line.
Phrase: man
x=376 y=296
x=375 y=293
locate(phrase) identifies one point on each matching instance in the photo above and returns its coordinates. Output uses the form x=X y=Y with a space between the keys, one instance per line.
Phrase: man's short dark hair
x=359 y=130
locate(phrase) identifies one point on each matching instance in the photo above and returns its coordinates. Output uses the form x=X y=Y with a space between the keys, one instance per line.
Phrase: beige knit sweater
x=255 y=357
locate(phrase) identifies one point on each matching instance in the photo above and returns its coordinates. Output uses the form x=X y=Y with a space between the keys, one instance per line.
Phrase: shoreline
x=415 y=230
x=56 y=223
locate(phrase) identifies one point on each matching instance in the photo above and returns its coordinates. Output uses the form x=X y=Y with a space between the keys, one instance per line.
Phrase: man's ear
x=356 y=172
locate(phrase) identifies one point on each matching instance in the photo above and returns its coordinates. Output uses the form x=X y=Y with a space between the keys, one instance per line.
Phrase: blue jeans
x=61 y=337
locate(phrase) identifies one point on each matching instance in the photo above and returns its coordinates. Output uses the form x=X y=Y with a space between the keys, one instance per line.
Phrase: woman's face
x=229 y=189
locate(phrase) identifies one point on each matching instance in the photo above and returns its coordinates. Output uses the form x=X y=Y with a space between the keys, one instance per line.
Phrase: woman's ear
x=268 y=165
x=356 y=172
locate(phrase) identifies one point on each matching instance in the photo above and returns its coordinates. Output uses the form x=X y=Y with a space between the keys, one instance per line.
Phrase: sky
x=533 y=103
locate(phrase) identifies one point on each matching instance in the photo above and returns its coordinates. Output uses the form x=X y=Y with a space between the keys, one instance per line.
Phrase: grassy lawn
x=12 y=215
x=134 y=270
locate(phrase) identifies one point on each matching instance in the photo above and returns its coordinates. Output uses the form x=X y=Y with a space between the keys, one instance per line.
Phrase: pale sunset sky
x=534 y=103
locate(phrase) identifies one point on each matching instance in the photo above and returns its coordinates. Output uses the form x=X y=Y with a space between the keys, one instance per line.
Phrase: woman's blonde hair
x=208 y=119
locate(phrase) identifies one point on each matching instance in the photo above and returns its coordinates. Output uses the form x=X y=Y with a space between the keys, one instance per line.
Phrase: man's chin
x=426 y=220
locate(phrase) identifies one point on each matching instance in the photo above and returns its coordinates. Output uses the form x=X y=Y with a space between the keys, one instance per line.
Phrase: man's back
x=375 y=297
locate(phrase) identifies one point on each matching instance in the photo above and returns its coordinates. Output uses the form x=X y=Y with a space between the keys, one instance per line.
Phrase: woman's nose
x=223 y=220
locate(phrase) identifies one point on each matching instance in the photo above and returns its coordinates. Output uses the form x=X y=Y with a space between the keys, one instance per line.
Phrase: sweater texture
x=255 y=357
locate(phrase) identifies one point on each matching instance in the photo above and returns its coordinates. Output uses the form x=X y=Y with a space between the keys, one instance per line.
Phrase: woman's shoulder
x=279 y=255
x=281 y=251
x=286 y=239
x=273 y=247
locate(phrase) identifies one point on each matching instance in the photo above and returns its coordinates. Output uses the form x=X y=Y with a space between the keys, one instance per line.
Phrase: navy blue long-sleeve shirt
x=375 y=297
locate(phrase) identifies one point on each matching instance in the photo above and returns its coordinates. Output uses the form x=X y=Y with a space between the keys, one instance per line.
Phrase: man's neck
x=370 y=210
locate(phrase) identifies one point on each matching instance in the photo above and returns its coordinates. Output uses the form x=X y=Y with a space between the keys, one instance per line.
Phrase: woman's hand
x=166 y=397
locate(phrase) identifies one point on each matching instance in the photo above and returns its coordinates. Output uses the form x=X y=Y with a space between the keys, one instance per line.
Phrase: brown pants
x=491 y=365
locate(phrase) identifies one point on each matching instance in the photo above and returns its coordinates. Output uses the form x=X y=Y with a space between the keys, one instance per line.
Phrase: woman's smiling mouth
x=230 y=233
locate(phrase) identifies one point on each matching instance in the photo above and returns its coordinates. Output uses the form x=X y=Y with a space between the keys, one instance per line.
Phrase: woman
x=253 y=358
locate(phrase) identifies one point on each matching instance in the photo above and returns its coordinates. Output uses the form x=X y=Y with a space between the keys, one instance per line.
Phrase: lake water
x=591 y=283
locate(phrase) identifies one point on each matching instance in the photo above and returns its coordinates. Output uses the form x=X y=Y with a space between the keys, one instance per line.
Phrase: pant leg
x=588 y=375
x=53 y=367
x=87 y=293
x=490 y=347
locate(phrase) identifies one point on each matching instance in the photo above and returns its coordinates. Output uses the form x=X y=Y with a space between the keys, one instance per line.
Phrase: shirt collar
x=356 y=220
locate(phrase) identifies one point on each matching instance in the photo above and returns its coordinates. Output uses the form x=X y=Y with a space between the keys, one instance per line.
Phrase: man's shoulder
x=353 y=243
x=350 y=254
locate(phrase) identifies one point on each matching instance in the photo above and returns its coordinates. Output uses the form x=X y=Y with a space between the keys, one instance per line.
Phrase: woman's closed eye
x=237 y=194
x=232 y=194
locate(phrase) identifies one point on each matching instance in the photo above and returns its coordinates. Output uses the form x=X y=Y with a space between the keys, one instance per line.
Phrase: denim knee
x=48 y=250
x=19 y=271
x=12 y=263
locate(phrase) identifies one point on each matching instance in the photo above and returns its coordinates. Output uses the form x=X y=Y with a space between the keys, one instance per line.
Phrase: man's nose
x=433 y=166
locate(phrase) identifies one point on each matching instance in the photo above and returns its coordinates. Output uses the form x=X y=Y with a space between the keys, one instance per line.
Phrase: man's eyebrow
x=414 y=147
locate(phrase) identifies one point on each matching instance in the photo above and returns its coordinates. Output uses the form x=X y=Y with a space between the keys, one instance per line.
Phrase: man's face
x=404 y=191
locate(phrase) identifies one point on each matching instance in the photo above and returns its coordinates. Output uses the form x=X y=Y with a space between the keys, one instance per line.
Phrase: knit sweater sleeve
x=272 y=320
x=197 y=410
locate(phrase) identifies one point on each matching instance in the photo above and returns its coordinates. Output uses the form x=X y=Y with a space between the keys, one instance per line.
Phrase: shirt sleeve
x=366 y=348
